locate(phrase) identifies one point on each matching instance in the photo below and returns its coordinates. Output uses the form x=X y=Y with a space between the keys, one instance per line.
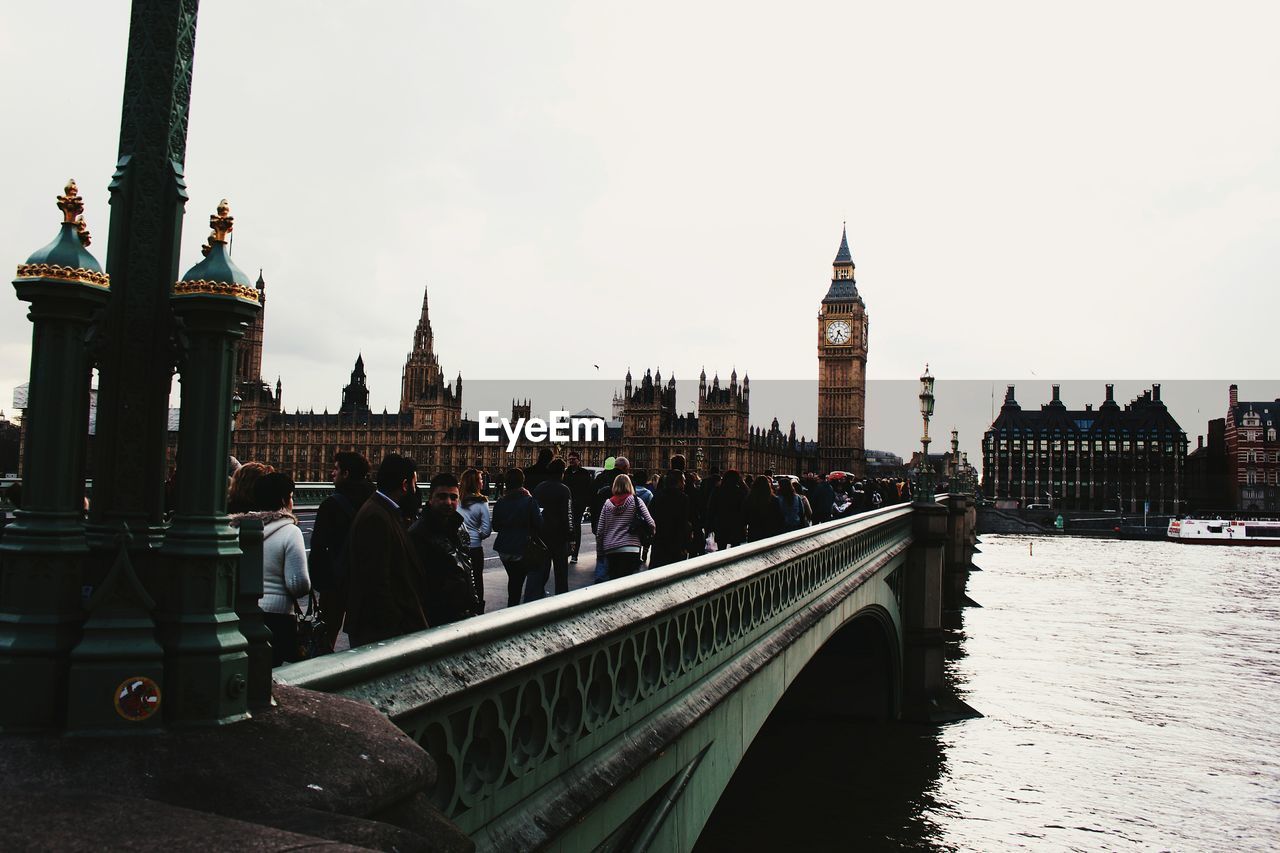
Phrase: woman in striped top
x=614 y=539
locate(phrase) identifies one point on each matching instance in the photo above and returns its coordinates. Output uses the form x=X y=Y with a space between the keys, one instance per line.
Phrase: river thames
x=1129 y=693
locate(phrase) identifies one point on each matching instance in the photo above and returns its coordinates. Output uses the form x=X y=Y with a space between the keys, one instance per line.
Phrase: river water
x=1130 y=693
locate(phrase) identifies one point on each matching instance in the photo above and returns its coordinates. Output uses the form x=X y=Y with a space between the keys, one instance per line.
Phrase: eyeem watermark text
x=559 y=427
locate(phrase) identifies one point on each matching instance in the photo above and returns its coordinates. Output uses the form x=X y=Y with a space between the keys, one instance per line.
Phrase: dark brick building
x=1109 y=458
x=1207 y=471
x=1252 y=453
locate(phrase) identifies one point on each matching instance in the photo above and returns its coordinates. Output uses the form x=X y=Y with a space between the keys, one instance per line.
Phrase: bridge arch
x=857 y=672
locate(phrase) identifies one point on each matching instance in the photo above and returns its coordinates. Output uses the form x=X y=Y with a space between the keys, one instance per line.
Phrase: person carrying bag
x=622 y=519
x=517 y=519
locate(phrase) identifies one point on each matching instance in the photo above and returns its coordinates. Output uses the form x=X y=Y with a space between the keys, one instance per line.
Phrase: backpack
x=793 y=514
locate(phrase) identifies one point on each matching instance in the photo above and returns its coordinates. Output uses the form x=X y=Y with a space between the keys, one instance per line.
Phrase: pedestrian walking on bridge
x=616 y=537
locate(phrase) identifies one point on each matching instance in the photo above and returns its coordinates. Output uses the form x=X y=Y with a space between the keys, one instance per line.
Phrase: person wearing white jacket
x=476 y=520
x=284 y=562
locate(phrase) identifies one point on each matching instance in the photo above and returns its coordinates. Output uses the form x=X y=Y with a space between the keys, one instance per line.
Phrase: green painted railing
x=508 y=701
x=310 y=495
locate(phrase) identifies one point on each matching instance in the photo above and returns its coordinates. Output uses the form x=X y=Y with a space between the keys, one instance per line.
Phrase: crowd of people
x=382 y=564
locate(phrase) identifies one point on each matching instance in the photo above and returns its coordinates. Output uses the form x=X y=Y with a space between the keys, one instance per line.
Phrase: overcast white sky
x=1085 y=190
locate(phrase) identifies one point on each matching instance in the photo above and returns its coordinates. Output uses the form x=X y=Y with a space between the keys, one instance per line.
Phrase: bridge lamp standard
x=924 y=476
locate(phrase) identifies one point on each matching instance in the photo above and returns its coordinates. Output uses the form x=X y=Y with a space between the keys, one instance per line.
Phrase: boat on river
x=1224 y=531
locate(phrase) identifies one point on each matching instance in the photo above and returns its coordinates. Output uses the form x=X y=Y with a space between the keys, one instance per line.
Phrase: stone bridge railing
x=511 y=704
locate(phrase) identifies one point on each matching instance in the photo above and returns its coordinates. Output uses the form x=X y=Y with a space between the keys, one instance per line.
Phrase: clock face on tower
x=838 y=332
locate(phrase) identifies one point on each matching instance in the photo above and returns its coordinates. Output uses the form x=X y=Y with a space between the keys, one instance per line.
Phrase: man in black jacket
x=537 y=472
x=443 y=551
x=325 y=564
x=670 y=511
x=578 y=481
x=697 y=535
x=821 y=497
x=557 y=514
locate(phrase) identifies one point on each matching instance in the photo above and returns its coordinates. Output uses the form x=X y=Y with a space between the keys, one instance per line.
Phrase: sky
x=1033 y=192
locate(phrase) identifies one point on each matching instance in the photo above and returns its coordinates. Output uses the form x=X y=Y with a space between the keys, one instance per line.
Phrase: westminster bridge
x=142 y=701
x=613 y=717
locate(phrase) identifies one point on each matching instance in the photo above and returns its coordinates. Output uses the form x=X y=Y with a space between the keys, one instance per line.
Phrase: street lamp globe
x=926 y=393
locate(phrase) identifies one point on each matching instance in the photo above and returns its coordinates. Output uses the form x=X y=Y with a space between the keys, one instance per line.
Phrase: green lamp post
x=953 y=466
x=43 y=550
x=136 y=357
x=206 y=668
x=924 y=477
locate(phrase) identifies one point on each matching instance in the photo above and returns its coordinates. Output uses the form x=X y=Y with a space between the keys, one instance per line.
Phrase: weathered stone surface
x=315 y=764
x=74 y=821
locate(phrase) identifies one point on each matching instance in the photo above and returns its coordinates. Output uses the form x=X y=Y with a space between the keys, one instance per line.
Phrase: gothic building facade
x=430 y=427
x=717 y=435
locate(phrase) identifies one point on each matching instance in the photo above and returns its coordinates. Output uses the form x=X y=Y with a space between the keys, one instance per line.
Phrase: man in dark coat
x=325 y=564
x=821 y=497
x=443 y=550
x=697 y=508
x=670 y=511
x=557 y=515
x=537 y=472
x=578 y=481
x=726 y=513
x=385 y=589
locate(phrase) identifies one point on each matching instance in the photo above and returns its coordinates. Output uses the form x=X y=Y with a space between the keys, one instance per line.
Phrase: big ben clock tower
x=842 y=369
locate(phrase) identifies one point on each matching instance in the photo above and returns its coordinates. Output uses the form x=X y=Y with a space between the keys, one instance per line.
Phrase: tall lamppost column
x=42 y=551
x=148 y=194
x=924 y=477
x=206 y=668
x=953 y=467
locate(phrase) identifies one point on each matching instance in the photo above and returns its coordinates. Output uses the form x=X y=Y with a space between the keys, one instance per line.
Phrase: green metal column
x=206 y=667
x=43 y=550
x=148 y=193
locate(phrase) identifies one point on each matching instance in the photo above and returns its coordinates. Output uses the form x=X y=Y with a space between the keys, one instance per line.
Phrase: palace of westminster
x=431 y=429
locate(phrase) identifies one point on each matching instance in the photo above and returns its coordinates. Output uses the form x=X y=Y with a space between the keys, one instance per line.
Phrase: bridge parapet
x=517 y=707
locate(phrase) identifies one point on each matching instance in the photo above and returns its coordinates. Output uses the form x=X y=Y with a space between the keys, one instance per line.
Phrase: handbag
x=310 y=631
x=639 y=528
x=535 y=550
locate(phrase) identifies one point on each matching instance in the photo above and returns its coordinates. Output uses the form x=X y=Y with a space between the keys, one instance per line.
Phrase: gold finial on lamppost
x=70 y=203
x=221 y=222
